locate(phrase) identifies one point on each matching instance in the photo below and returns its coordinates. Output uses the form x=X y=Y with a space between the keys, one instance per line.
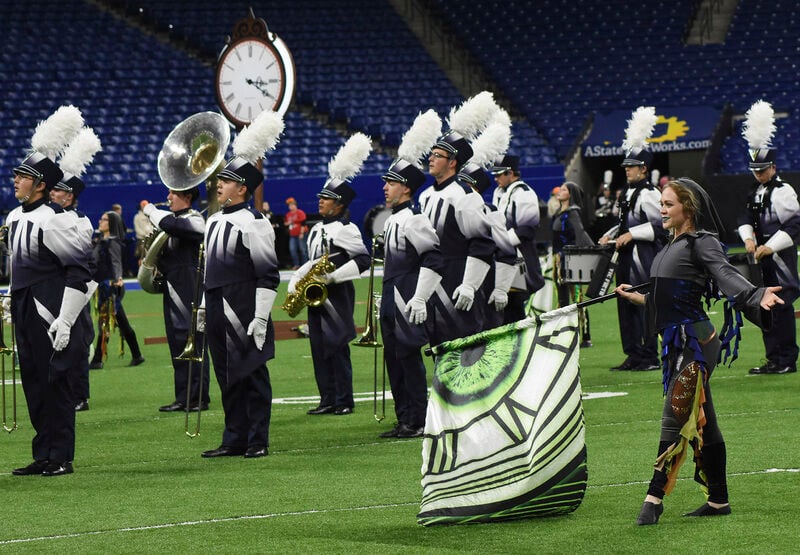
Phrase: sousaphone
x=192 y=152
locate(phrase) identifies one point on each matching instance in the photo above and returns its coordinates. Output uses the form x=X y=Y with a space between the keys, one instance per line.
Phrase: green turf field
x=331 y=486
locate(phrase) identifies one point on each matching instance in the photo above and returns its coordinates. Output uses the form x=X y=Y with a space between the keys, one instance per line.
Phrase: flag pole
x=604 y=298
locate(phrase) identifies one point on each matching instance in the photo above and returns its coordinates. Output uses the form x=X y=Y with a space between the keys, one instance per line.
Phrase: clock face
x=252 y=76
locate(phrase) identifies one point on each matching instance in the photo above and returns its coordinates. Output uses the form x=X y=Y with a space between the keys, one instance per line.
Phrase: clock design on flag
x=255 y=72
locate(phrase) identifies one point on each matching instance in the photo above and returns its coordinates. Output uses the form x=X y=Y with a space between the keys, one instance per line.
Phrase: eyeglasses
x=437 y=155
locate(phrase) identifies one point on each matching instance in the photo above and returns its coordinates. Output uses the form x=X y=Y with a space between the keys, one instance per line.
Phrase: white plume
x=56 y=131
x=348 y=161
x=759 y=125
x=80 y=152
x=473 y=115
x=261 y=136
x=420 y=137
x=640 y=128
x=494 y=141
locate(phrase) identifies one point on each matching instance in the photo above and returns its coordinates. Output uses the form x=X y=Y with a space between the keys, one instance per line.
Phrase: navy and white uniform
x=640 y=214
x=330 y=325
x=504 y=253
x=86 y=233
x=240 y=257
x=519 y=203
x=410 y=243
x=47 y=255
x=178 y=264
x=456 y=213
x=773 y=219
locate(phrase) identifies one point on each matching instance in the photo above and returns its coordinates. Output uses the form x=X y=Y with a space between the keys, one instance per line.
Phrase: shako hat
x=48 y=140
x=416 y=142
x=76 y=157
x=344 y=166
x=249 y=146
x=640 y=128
x=758 y=129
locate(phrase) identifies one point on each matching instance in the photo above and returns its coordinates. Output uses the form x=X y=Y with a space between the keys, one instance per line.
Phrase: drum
x=374 y=220
x=579 y=264
x=748 y=266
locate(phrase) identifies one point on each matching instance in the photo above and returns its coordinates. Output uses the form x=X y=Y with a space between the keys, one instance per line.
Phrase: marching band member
x=411 y=272
x=50 y=273
x=456 y=213
x=639 y=236
x=241 y=281
x=769 y=229
x=177 y=263
x=519 y=204
x=490 y=144
x=330 y=325
x=78 y=154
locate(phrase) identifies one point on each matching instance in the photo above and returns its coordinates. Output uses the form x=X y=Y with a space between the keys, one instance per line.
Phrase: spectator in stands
x=553 y=204
x=295 y=222
x=281 y=235
x=143 y=228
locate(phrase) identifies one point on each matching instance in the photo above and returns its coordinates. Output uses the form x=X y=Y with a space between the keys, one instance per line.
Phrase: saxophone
x=309 y=291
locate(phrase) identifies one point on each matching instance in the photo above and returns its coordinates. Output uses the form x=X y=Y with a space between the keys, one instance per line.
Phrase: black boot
x=97 y=358
x=133 y=345
x=714 y=459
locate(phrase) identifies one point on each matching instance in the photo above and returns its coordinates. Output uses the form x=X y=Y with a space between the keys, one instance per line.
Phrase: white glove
x=298 y=274
x=503 y=277
x=155 y=215
x=499 y=299
x=72 y=303
x=417 y=308
x=200 y=323
x=474 y=272
x=265 y=298
x=346 y=272
x=7 y=308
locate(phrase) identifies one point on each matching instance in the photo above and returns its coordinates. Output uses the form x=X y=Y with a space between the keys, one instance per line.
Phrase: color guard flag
x=504 y=433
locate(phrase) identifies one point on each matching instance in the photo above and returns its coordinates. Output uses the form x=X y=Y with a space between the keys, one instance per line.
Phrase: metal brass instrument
x=6 y=351
x=309 y=290
x=370 y=336
x=192 y=152
x=192 y=354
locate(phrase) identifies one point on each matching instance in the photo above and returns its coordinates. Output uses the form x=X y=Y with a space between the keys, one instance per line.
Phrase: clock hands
x=260 y=85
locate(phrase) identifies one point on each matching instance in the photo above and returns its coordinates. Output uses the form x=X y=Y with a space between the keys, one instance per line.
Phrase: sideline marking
x=316 y=511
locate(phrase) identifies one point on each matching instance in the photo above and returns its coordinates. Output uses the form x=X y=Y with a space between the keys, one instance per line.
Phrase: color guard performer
x=330 y=325
x=241 y=281
x=50 y=273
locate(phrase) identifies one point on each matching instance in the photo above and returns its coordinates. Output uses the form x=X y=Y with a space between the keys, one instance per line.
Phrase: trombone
x=369 y=337
x=192 y=355
x=4 y=352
